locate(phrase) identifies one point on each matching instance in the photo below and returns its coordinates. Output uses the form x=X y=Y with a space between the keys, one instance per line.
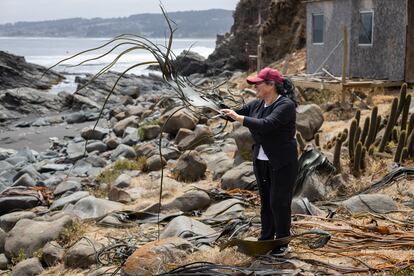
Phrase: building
x=380 y=38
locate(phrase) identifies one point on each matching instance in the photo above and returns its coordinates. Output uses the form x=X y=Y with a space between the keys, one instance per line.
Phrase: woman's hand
x=232 y=114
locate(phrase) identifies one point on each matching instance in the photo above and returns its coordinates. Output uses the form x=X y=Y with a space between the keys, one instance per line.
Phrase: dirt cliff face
x=282 y=20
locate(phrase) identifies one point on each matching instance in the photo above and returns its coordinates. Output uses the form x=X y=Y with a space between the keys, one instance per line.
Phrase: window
x=317 y=28
x=366 y=27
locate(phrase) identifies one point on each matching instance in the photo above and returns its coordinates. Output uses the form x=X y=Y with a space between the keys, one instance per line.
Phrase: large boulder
x=155 y=163
x=28 y=267
x=153 y=256
x=13 y=203
x=82 y=254
x=190 y=167
x=181 y=119
x=189 y=63
x=8 y=221
x=370 y=203
x=120 y=126
x=52 y=253
x=28 y=235
x=244 y=142
x=67 y=186
x=240 y=177
x=70 y=199
x=92 y=207
x=89 y=133
x=149 y=132
x=309 y=119
x=123 y=151
x=190 y=201
x=200 y=136
x=183 y=227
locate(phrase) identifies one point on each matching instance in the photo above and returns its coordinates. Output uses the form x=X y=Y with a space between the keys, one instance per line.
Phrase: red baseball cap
x=266 y=74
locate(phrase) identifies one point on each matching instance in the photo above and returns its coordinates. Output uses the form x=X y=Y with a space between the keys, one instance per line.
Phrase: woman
x=271 y=120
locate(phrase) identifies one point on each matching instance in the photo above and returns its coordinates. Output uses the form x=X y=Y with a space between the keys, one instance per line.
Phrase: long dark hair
x=287 y=89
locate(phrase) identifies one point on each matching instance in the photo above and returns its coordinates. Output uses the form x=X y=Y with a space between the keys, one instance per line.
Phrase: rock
x=309 y=119
x=181 y=134
x=314 y=188
x=190 y=201
x=134 y=110
x=149 y=132
x=181 y=119
x=200 y=136
x=302 y=206
x=17 y=73
x=51 y=167
x=123 y=181
x=190 y=167
x=224 y=211
x=170 y=153
x=119 y=195
x=146 y=150
x=3 y=262
x=183 y=227
x=98 y=133
x=11 y=203
x=154 y=255
x=92 y=207
x=25 y=153
x=31 y=171
x=82 y=254
x=52 y=254
x=112 y=142
x=98 y=146
x=244 y=142
x=75 y=151
x=120 y=127
x=41 y=122
x=28 y=235
x=2 y=240
x=123 y=151
x=75 y=118
x=67 y=186
x=6 y=153
x=61 y=202
x=190 y=63
x=8 y=221
x=130 y=140
x=25 y=180
x=367 y=203
x=28 y=267
x=240 y=177
x=155 y=163
x=220 y=164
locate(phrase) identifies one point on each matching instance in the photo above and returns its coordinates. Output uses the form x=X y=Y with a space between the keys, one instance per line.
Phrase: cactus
x=357 y=135
x=372 y=131
x=390 y=125
x=401 y=101
x=410 y=144
x=405 y=111
x=404 y=155
x=337 y=152
x=363 y=164
x=300 y=140
x=379 y=127
x=358 y=116
x=351 y=137
x=410 y=126
x=365 y=130
x=317 y=140
x=394 y=135
x=401 y=143
x=357 y=160
x=371 y=150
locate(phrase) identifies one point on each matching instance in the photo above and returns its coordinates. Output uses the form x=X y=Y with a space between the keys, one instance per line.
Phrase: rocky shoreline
x=97 y=189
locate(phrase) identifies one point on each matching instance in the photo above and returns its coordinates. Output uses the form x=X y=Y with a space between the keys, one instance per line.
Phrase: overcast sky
x=35 y=10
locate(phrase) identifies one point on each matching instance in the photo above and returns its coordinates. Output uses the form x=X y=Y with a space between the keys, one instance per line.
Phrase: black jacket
x=273 y=128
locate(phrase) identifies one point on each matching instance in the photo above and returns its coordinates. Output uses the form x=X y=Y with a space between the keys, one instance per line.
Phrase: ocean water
x=48 y=51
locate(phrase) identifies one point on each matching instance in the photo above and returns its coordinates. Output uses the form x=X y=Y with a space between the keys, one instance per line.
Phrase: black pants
x=276 y=190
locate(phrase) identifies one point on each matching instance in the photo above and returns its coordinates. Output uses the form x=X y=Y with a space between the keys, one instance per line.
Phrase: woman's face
x=264 y=90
